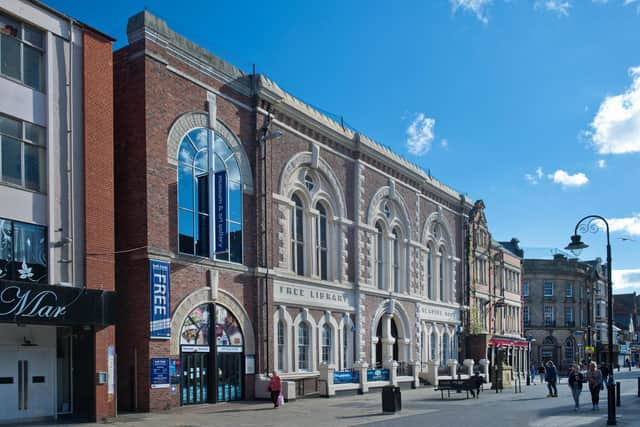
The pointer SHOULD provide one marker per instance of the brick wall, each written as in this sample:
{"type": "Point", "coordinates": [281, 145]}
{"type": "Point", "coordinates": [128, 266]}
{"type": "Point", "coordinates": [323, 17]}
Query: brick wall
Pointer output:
{"type": "Point", "coordinates": [98, 193]}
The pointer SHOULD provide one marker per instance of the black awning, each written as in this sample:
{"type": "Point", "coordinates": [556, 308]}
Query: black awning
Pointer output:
{"type": "Point", "coordinates": [24, 302]}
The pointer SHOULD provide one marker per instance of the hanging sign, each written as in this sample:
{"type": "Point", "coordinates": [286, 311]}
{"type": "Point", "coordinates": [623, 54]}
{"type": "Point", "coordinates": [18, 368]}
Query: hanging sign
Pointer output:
{"type": "Point", "coordinates": [221, 211]}
{"type": "Point", "coordinates": [160, 294]}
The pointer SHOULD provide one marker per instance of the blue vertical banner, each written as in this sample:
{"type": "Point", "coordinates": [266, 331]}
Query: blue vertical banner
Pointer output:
{"type": "Point", "coordinates": [220, 207]}
{"type": "Point", "coordinates": [160, 292]}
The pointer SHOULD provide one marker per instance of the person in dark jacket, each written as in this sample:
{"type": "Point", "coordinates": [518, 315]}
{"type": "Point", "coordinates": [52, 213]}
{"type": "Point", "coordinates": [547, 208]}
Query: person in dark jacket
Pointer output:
{"type": "Point", "coordinates": [575, 384]}
{"type": "Point", "coordinates": [605, 372]}
{"type": "Point", "coordinates": [551, 377]}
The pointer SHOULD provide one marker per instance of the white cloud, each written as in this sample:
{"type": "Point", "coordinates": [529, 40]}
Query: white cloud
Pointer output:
{"type": "Point", "coordinates": [616, 127]}
{"type": "Point", "coordinates": [477, 7]}
{"type": "Point", "coordinates": [566, 180]}
{"type": "Point", "coordinates": [602, 163]}
{"type": "Point", "coordinates": [625, 281]}
{"type": "Point", "coordinates": [561, 8]}
{"type": "Point", "coordinates": [444, 143]}
{"type": "Point", "coordinates": [534, 178]}
{"type": "Point", "coordinates": [628, 2]}
{"type": "Point", "coordinates": [420, 134]}
{"type": "Point", "coordinates": [630, 225]}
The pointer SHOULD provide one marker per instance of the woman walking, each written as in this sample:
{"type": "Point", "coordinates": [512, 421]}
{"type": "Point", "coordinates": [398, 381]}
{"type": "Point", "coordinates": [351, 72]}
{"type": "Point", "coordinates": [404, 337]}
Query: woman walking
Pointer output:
{"type": "Point", "coordinates": [275, 388]}
{"type": "Point", "coordinates": [532, 374]}
{"type": "Point", "coordinates": [594, 378]}
{"type": "Point", "coordinates": [575, 384]}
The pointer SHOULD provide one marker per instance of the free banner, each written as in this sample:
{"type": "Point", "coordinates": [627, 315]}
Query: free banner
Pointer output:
{"type": "Point", "coordinates": [160, 294]}
{"type": "Point", "coordinates": [221, 212]}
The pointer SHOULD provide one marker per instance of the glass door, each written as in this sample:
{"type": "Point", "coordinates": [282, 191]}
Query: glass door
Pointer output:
{"type": "Point", "coordinates": [194, 378]}
{"type": "Point", "coordinates": [229, 376]}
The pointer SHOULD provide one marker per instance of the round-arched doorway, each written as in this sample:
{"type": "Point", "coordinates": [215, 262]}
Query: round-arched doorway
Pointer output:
{"type": "Point", "coordinates": [200, 357]}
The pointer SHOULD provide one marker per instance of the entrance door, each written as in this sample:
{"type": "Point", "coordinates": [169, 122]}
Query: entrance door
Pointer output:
{"type": "Point", "coordinates": [194, 378]}
{"type": "Point", "coordinates": [27, 384]}
{"type": "Point", "coordinates": [229, 376]}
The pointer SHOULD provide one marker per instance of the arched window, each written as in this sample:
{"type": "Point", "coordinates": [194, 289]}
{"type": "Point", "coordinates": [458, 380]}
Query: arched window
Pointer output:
{"type": "Point", "coordinates": [429, 273]}
{"type": "Point", "coordinates": [441, 274]}
{"type": "Point", "coordinates": [434, 346]}
{"type": "Point", "coordinates": [569, 351]}
{"type": "Point", "coordinates": [321, 243]}
{"type": "Point", "coordinates": [326, 344]}
{"type": "Point", "coordinates": [281, 346]}
{"type": "Point", "coordinates": [209, 181]}
{"type": "Point", "coordinates": [380, 255]}
{"type": "Point", "coordinates": [396, 260]}
{"type": "Point", "coordinates": [297, 236]}
{"type": "Point", "coordinates": [304, 352]}
{"type": "Point", "coordinates": [347, 346]}
{"type": "Point", "coordinates": [445, 349]}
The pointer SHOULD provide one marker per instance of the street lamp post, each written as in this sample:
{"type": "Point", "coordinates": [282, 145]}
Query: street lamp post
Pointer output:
{"type": "Point", "coordinates": [590, 224]}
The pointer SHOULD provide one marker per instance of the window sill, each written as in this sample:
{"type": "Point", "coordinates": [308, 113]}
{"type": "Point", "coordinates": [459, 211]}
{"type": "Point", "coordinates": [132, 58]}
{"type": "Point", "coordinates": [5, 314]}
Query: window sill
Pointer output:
{"type": "Point", "coordinates": [299, 375]}
{"type": "Point", "coordinates": [20, 187]}
{"type": "Point", "coordinates": [190, 259]}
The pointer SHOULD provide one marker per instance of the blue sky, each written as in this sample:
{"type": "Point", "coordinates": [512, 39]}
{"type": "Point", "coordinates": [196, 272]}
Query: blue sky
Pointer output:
{"type": "Point", "coordinates": [531, 105]}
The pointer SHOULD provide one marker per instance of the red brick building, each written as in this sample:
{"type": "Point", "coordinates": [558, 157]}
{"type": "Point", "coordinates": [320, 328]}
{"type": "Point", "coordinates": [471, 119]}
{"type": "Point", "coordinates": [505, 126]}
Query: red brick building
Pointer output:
{"type": "Point", "coordinates": [57, 241]}
{"type": "Point", "coordinates": [255, 233]}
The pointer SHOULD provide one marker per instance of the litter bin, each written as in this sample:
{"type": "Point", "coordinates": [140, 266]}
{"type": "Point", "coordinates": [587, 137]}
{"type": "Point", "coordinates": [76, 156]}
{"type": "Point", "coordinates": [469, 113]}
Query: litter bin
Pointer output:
{"type": "Point", "coordinates": [391, 399]}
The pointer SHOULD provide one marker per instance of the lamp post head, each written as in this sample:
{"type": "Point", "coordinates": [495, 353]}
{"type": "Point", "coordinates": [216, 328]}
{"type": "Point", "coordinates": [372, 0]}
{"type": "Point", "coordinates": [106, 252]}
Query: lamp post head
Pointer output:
{"type": "Point", "coordinates": [577, 245]}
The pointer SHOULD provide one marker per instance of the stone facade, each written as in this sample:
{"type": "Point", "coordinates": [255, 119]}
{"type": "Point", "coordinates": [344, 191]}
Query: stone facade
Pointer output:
{"type": "Point", "coordinates": [565, 309]}
{"type": "Point", "coordinates": [336, 231]}
{"type": "Point", "coordinates": [494, 321]}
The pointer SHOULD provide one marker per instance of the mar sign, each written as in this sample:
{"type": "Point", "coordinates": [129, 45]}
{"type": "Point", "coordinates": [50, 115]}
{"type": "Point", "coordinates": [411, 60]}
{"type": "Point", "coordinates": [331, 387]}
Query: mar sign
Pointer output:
{"type": "Point", "coordinates": [160, 299]}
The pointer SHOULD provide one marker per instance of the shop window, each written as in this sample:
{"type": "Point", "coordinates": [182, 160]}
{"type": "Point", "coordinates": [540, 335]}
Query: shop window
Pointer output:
{"type": "Point", "coordinates": [23, 154]}
{"type": "Point", "coordinates": [22, 53]}
{"type": "Point", "coordinates": [326, 344]}
{"type": "Point", "coordinates": [297, 236]}
{"type": "Point", "coordinates": [23, 251]}
{"type": "Point", "coordinates": [209, 180]}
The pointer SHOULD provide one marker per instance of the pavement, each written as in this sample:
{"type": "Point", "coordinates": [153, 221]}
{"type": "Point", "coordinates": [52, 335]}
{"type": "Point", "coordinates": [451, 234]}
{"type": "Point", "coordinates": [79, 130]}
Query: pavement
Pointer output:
{"type": "Point", "coordinates": [420, 407]}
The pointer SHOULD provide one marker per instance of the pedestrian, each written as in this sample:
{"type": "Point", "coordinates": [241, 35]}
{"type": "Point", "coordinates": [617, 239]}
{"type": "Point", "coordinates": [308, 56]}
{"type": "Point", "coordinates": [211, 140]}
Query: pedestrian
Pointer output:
{"type": "Point", "coordinates": [605, 372]}
{"type": "Point", "coordinates": [274, 388]}
{"type": "Point", "coordinates": [541, 373]}
{"type": "Point", "coordinates": [595, 380]}
{"type": "Point", "coordinates": [575, 381]}
{"type": "Point", "coordinates": [551, 376]}
{"type": "Point", "coordinates": [628, 362]}
{"type": "Point", "coordinates": [532, 372]}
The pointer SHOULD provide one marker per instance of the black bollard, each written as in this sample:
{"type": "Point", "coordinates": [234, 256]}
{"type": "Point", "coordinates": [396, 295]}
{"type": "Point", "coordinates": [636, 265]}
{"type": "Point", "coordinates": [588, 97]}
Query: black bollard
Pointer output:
{"type": "Point", "coordinates": [617, 393]}
{"type": "Point", "coordinates": [638, 386]}
{"type": "Point", "coordinates": [611, 403]}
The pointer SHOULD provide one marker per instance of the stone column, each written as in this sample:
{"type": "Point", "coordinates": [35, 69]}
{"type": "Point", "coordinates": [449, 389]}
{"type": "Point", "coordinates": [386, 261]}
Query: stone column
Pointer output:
{"type": "Point", "coordinates": [387, 339]}
{"type": "Point", "coordinates": [432, 371]}
{"type": "Point", "coordinates": [362, 367]}
{"type": "Point", "coordinates": [392, 366]}
{"type": "Point", "coordinates": [416, 372]}
{"type": "Point", "coordinates": [484, 369]}
{"type": "Point", "coordinates": [326, 374]}
{"type": "Point", "coordinates": [453, 368]}
{"type": "Point", "coordinates": [469, 363]}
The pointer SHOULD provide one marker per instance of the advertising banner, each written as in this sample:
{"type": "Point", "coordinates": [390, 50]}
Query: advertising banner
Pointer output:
{"type": "Point", "coordinates": [220, 211]}
{"type": "Point", "coordinates": [160, 294]}
{"type": "Point", "coordinates": [160, 373]}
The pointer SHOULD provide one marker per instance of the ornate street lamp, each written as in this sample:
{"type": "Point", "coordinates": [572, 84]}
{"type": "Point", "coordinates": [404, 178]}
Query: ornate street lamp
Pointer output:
{"type": "Point", "coordinates": [589, 224]}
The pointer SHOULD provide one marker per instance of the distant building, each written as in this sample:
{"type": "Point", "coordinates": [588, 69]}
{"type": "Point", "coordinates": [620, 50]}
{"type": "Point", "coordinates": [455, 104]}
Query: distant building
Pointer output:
{"type": "Point", "coordinates": [565, 310]}
{"type": "Point", "coordinates": [626, 315]}
{"type": "Point", "coordinates": [494, 321]}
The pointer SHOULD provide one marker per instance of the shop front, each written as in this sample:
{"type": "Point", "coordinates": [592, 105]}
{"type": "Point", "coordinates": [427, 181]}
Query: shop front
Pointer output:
{"type": "Point", "coordinates": [46, 333]}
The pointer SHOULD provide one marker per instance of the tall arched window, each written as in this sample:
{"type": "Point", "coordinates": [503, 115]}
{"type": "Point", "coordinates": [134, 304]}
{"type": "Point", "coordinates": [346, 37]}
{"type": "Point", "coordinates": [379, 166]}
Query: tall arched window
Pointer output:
{"type": "Point", "coordinates": [209, 181]}
{"type": "Point", "coordinates": [304, 352]}
{"type": "Point", "coordinates": [445, 350]}
{"type": "Point", "coordinates": [281, 346]}
{"type": "Point", "coordinates": [326, 344]}
{"type": "Point", "coordinates": [434, 346]}
{"type": "Point", "coordinates": [429, 273]}
{"type": "Point", "coordinates": [321, 243]}
{"type": "Point", "coordinates": [297, 236]}
{"type": "Point", "coordinates": [347, 346]}
{"type": "Point", "coordinates": [380, 256]}
{"type": "Point", "coordinates": [441, 273]}
{"type": "Point", "coordinates": [396, 260]}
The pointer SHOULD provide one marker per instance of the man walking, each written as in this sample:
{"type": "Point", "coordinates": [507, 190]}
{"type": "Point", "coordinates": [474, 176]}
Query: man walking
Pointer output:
{"type": "Point", "coordinates": [551, 376]}
{"type": "Point", "coordinates": [532, 373]}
